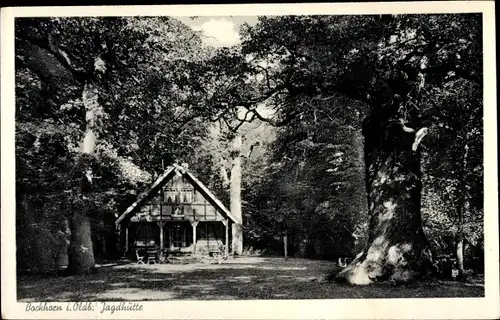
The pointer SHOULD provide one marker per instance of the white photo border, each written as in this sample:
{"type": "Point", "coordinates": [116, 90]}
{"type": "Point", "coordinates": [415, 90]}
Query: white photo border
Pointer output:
{"type": "Point", "coordinates": [429, 308]}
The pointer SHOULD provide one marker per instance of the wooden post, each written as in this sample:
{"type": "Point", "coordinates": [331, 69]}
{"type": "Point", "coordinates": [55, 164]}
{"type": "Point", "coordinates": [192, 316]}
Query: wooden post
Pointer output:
{"type": "Point", "coordinates": [285, 243]}
{"type": "Point", "coordinates": [194, 224]}
{"type": "Point", "coordinates": [161, 224]}
{"type": "Point", "coordinates": [170, 238]}
{"type": "Point", "coordinates": [226, 249]}
{"type": "Point", "coordinates": [161, 201]}
{"type": "Point", "coordinates": [118, 239]}
{"type": "Point", "coordinates": [126, 239]}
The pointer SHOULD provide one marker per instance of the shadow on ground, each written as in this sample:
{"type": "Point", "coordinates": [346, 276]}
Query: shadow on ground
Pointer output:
{"type": "Point", "coordinates": [243, 278]}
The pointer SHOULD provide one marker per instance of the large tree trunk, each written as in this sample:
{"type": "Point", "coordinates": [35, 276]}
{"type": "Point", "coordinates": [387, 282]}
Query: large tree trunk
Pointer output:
{"type": "Point", "coordinates": [459, 237]}
{"type": "Point", "coordinates": [397, 248]}
{"type": "Point", "coordinates": [460, 254]}
{"type": "Point", "coordinates": [285, 244]}
{"type": "Point", "coordinates": [235, 195]}
{"type": "Point", "coordinates": [80, 253]}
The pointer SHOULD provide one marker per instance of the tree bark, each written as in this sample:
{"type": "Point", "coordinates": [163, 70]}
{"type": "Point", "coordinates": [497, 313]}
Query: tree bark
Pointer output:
{"type": "Point", "coordinates": [459, 237]}
{"type": "Point", "coordinates": [397, 248]}
{"type": "Point", "coordinates": [235, 196]}
{"type": "Point", "coordinates": [223, 173]}
{"type": "Point", "coordinates": [285, 244]}
{"type": "Point", "coordinates": [460, 255]}
{"type": "Point", "coordinates": [80, 253]}
{"type": "Point", "coordinates": [461, 207]}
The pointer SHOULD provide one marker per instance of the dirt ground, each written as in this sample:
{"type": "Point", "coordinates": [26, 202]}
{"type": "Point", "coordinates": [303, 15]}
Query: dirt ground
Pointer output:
{"type": "Point", "coordinates": [240, 278]}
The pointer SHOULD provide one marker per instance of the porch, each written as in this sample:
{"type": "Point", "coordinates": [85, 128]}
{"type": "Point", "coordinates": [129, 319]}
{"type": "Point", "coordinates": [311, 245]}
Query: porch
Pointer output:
{"type": "Point", "coordinates": [178, 237]}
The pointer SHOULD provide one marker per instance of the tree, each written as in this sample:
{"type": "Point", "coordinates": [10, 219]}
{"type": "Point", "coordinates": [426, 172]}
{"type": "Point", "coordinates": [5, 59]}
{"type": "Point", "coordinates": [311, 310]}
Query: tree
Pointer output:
{"type": "Point", "coordinates": [394, 64]}
{"type": "Point", "coordinates": [456, 166]}
{"type": "Point", "coordinates": [225, 76]}
{"type": "Point", "coordinates": [78, 71]}
{"type": "Point", "coordinates": [309, 185]}
{"type": "Point", "coordinates": [228, 153]}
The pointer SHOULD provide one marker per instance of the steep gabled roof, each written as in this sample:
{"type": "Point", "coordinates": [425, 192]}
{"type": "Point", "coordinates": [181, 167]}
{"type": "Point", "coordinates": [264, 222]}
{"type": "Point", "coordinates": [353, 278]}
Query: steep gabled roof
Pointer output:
{"type": "Point", "coordinates": [161, 179]}
{"type": "Point", "coordinates": [212, 197]}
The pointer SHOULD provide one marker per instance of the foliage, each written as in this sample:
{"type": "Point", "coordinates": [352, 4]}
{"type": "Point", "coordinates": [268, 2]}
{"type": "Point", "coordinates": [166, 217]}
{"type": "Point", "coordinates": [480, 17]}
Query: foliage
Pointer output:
{"type": "Point", "coordinates": [454, 171]}
{"type": "Point", "coordinates": [143, 92]}
{"type": "Point", "coordinates": [410, 67]}
{"type": "Point", "coordinates": [311, 185]}
{"type": "Point", "coordinates": [369, 58]}
{"type": "Point", "coordinates": [300, 86]}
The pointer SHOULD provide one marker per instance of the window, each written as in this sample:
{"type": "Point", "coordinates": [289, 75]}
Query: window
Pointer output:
{"type": "Point", "coordinates": [178, 196]}
{"type": "Point", "coordinates": [186, 196]}
{"type": "Point", "coordinates": [170, 195]}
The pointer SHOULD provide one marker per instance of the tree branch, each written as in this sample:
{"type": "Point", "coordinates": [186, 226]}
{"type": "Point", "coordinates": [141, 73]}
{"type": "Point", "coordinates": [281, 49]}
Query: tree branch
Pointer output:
{"type": "Point", "coordinates": [267, 75]}
{"type": "Point", "coordinates": [274, 123]}
{"type": "Point", "coordinates": [50, 45]}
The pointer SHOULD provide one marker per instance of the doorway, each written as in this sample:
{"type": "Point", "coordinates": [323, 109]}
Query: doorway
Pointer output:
{"type": "Point", "coordinates": [179, 235]}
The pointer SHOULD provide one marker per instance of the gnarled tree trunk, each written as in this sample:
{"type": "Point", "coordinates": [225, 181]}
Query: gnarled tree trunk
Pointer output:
{"type": "Point", "coordinates": [397, 247]}
{"type": "Point", "coordinates": [80, 253]}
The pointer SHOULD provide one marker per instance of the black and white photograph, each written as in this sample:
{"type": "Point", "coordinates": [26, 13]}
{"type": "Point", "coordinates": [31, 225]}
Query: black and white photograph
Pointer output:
{"type": "Point", "coordinates": [235, 157]}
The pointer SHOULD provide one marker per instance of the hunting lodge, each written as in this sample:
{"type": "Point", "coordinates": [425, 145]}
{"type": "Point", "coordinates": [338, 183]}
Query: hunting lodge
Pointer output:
{"type": "Point", "coordinates": [177, 214]}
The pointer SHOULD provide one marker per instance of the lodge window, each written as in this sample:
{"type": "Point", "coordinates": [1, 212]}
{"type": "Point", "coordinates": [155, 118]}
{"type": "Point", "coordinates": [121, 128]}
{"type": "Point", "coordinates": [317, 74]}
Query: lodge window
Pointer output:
{"type": "Point", "coordinates": [170, 196]}
{"type": "Point", "coordinates": [187, 196]}
{"type": "Point", "coordinates": [175, 196]}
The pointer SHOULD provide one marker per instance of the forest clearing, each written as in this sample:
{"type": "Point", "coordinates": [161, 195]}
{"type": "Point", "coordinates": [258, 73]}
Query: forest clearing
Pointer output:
{"type": "Point", "coordinates": [344, 152]}
{"type": "Point", "coordinates": [244, 278]}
